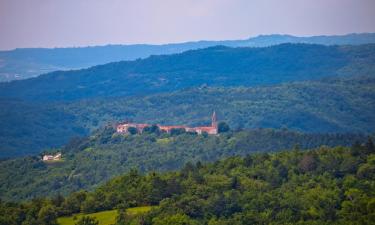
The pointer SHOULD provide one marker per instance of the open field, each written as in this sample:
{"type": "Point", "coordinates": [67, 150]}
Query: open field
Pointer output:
{"type": "Point", "coordinates": [105, 217]}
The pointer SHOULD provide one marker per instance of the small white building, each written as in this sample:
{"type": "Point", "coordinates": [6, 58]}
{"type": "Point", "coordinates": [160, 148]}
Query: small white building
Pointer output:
{"type": "Point", "coordinates": [52, 157]}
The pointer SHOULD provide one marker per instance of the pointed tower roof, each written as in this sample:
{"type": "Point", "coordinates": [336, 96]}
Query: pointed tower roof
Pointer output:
{"type": "Point", "coordinates": [213, 119]}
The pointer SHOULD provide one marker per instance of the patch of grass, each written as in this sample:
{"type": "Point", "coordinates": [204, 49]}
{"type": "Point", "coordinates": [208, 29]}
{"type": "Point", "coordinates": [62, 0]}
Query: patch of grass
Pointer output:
{"type": "Point", "coordinates": [139, 210]}
{"type": "Point", "coordinates": [105, 217]}
{"type": "Point", "coordinates": [164, 141]}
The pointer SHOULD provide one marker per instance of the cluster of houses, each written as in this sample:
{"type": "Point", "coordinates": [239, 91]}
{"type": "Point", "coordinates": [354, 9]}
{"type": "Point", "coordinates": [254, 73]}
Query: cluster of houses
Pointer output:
{"type": "Point", "coordinates": [56, 157]}
{"type": "Point", "coordinates": [213, 129]}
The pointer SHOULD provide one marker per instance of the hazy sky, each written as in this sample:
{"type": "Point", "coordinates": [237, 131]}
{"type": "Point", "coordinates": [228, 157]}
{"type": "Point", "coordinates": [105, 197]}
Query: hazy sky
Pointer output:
{"type": "Point", "coordinates": [61, 23]}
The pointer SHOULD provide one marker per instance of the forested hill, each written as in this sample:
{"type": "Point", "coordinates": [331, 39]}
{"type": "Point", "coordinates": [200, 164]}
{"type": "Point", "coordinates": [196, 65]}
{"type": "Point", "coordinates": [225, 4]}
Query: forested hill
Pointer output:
{"type": "Point", "coordinates": [333, 105]}
{"type": "Point", "coordinates": [88, 162]}
{"type": "Point", "coordinates": [215, 66]}
{"type": "Point", "coordinates": [322, 186]}
{"type": "Point", "coordinates": [30, 62]}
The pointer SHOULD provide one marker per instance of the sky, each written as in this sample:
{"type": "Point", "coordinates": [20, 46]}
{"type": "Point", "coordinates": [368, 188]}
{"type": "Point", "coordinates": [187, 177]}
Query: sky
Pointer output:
{"type": "Point", "coordinates": [73, 23]}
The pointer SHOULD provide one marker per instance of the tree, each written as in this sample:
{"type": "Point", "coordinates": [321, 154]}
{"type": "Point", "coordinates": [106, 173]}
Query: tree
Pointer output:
{"type": "Point", "coordinates": [58, 200]}
{"type": "Point", "coordinates": [47, 215]}
{"type": "Point", "coordinates": [356, 149]}
{"type": "Point", "coordinates": [86, 220]}
{"type": "Point", "coordinates": [235, 183]}
{"type": "Point", "coordinates": [89, 205]}
{"type": "Point", "coordinates": [132, 130]}
{"type": "Point", "coordinates": [152, 129]}
{"type": "Point", "coordinates": [223, 127]}
{"type": "Point", "coordinates": [177, 131]}
{"type": "Point", "coordinates": [308, 163]}
{"type": "Point", "coordinates": [122, 218]}
{"type": "Point", "coordinates": [248, 160]}
{"type": "Point", "coordinates": [370, 148]}
{"type": "Point", "coordinates": [72, 204]}
{"type": "Point", "coordinates": [177, 219]}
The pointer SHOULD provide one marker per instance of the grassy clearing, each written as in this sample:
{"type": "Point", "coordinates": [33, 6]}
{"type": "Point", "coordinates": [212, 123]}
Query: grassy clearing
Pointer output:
{"type": "Point", "coordinates": [164, 141]}
{"type": "Point", "coordinates": [104, 217]}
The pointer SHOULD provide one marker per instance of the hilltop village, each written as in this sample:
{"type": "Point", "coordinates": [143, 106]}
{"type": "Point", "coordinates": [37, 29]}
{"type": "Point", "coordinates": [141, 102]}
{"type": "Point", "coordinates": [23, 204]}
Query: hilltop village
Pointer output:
{"type": "Point", "coordinates": [139, 127]}
{"type": "Point", "coordinates": [126, 127]}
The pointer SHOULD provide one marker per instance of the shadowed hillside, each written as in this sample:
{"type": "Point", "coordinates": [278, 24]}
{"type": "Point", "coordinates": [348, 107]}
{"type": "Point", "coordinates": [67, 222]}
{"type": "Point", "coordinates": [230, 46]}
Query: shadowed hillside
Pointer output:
{"type": "Point", "coordinates": [216, 66]}
{"type": "Point", "coordinates": [320, 186]}
{"type": "Point", "coordinates": [88, 162]}
{"type": "Point", "coordinates": [332, 105]}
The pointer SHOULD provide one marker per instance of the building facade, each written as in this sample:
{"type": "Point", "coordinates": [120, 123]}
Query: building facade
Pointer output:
{"type": "Point", "coordinates": [52, 157]}
{"type": "Point", "coordinates": [213, 129]}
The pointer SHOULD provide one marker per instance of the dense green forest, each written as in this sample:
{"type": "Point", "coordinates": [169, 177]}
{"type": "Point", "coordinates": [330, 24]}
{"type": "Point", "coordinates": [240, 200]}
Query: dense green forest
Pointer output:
{"type": "Point", "coordinates": [88, 162]}
{"type": "Point", "coordinates": [215, 66]}
{"type": "Point", "coordinates": [321, 186]}
{"type": "Point", "coordinates": [330, 105]}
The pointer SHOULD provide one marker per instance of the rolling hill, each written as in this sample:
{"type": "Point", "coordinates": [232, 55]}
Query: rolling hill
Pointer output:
{"type": "Point", "coordinates": [31, 62]}
{"type": "Point", "coordinates": [88, 162]}
{"type": "Point", "coordinates": [215, 66]}
{"type": "Point", "coordinates": [319, 186]}
{"type": "Point", "coordinates": [334, 105]}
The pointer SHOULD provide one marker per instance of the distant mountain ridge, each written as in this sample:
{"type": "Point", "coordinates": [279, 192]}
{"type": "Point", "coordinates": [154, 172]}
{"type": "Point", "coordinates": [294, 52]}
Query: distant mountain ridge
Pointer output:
{"type": "Point", "coordinates": [29, 62]}
{"type": "Point", "coordinates": [214, 66]}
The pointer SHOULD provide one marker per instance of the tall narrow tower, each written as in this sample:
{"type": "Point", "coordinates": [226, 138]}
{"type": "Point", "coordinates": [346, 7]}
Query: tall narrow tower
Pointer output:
{"type": "Point", "coordinates": [213, 120]}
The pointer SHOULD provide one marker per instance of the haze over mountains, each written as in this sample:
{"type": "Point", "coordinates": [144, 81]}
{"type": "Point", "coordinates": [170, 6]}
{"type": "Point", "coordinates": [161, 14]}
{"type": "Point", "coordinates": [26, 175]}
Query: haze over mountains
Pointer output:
{"type": "Point", "coordinates": [214, 66]}
{"type": "Point", "coordinates": [31, 62]}
{"type": "Point", "coordinates": [303, 87]}
{"type": "Point", "coordinates": [274, 98]}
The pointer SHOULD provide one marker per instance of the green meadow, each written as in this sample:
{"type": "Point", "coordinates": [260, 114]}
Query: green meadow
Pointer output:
{"type": "Point", "coordinates": [105, 217]}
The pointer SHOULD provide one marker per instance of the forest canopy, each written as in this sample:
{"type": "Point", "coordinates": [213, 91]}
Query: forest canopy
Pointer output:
{"type": "Point", "coordinates": [320, 186]}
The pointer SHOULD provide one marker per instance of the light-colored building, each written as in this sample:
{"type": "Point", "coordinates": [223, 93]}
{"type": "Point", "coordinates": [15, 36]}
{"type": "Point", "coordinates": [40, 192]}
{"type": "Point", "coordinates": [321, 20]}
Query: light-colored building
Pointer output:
{"type": "Point", "coordinates": [213, 129]}
{"type": "Point", "coordinates": [52, 157]}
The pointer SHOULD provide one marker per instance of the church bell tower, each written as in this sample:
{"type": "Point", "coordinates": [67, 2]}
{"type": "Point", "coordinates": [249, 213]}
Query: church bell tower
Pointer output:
{"type": "Point", "coordinates": [214, 120]}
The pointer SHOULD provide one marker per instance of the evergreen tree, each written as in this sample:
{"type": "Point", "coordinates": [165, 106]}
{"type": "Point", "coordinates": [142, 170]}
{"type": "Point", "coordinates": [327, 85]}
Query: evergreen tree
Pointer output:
{"type": "Point", "coordinates": [86, 220]}
{"type": "Point", "coordinates": [223, 127]}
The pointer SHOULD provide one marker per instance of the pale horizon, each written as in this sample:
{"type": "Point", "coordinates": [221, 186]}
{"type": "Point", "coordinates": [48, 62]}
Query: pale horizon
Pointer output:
{"type": "Point", "coordinates": [70, 23]}
{"type": "Point", "coordinates": [167, 43]}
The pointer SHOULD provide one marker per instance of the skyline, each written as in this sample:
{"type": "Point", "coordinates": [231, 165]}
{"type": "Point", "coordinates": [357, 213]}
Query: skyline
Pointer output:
{"type": "Point", "coordinates": [49, 23]}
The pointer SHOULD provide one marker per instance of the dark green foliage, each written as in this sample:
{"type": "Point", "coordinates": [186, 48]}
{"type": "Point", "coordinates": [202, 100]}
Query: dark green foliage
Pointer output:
{"type": "Point", "coordinates": [215, 66]}
{"type": "Point", "coordinates": [91, 161]}
{"type": "Point", "coordinates": [28, 128]}
{"type": "Point", "coordinates": [132, 130]}
{"type": "Point", "coordinates": [35, 212]}
{"type": "Point", "coordinates": [122, 218]}
{"type": "Point", "coordinates": [290, 187]}
{"type": "Point", "coordinates": [152, 129]}
{"type": "Point", "coordinates": [177, 131]}
{"type": "Point", "coordinates": [338, 105]}
{"type": "Point", "coordinates": [86, 220]}
{"type": "Point", "coordinates": [47, 215]}
{"type": "Point", "coordinates": [223, 127]}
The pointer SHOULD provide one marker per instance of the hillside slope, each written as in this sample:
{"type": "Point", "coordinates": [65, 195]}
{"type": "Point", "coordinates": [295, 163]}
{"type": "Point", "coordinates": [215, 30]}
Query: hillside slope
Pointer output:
{"type": "Point", "coordinates": [320, 186]}
{"type": "Point", "coordinates": [89, 162]}
{"type": "Point", "coordinates": [333, 105]}
{"type": "Point", "coordinates": [216, 66]}
{"type": "Point", "coordinates": [30, 62]}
